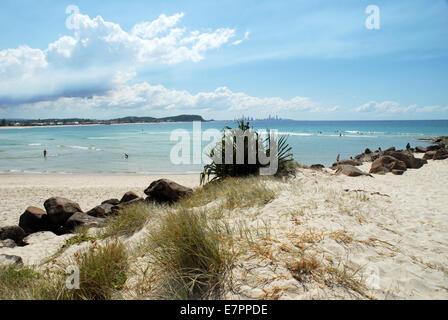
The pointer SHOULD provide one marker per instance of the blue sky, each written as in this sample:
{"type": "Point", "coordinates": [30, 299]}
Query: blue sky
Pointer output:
{"type": "Point", "coordinates": [307, 60]}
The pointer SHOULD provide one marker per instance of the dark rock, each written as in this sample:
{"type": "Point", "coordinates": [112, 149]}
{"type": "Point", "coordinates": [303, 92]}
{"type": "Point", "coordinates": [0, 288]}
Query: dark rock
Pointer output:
{"type": "Point", "coordinates": [59, 210]}
{"type": "Point", "coordinates": [14, 233]}
{"type": "Point", "coordinates": [8, 243]}
{"type": "Point", "coordinates": [317, 166]}
{"type": "Point", "coordinates": [441, 154]}
{"type": "Point", "coordinates": [390, 149]}
{"type": "Point", "coordinates": [167, 191]}
{"type": "Point", "coordinates": [398, 172]}
{"type": "Point", "coordinates": [83, 220]}
{"type": "Point", "coordinates": [350, 162]}
{"type": "Point", "coordinates": [8, 260]}
{"type": "Point", "coordinates": [101, 211]}
{"type": "Point", "coordinates": [116, 209]}
{"type": "Point", "coordinates": [433, 148]}
{"type": "Point", "coordinates": [113, 202]}
{"type": "Point", "coordinates": [408, 158]}
{"type": "Point", "coordinates": [420, 149]}
{"type": "Point", "coordinates": [129, 196]}
{"type": "Point", "coordinates": [386, 164]}
{"type": "Point", "coordinates": [350, 171]}
{"type": "Point", "coordinates": [429, 155]}
{"type": "Point", "coordinates": [367, 151]}
{"type": "Point", "coordinates": [34, 220]}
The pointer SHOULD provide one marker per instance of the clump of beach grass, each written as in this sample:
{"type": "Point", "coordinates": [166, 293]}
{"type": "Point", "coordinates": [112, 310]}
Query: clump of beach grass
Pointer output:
{"type": "Point", "coordinates": [192, 253]}
{"type": "Point", "coordinates": [232, 193]}
{"type": "Point", "coordinates": [102, 271]}
{"type": "Point", "coordinates": [130, 220]}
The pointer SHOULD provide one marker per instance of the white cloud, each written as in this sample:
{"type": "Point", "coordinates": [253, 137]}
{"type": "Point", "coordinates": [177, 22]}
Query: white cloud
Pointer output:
{"type": "Point", "coordinates": [395, 107]}
{"type": "Point", "coordinates": [246, 37]}
{"type": "Point", "coordinates": [98, 55]}
{"type": "Point", "coordinates": [146, 97]}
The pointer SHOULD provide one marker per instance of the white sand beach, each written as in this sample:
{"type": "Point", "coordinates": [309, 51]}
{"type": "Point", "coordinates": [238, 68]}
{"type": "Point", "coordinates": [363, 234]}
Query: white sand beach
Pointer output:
{"type": "Point", "coordinates": [391, 232]}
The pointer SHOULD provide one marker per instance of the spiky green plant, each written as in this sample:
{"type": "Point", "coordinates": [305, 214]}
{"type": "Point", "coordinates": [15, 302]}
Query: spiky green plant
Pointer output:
{"type": "Point", "coordinates": [253, 144]}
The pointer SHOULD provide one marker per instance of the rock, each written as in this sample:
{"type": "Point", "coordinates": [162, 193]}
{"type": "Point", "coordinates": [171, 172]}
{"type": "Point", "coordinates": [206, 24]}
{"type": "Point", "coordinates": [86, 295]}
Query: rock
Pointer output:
{"type": "Point", "coordinates": [129, 196]}
{"type": "Point", "coordinates": [34, 220]}
{"type": "Point", "coordinates": [8, 243]}
{"type": "Point", "coordinates": [7, 260]}
{"type": "Point", "coordinates": [434, 148]}
{"type": "Point", "coordinates": [317, 166]}
{"type": "Point", "coordinates": [390, 149]}
{"type": "Point", "coordinates": [116, 209]}
{"type": "Point", "coordinates": [398, 172]}
{"type": "Point", "coordinates": [386, 164]}
{"type": "Point", "coordinates": [80, 219]}
{"type": "Point", "coordinates": [368, 156]}
{"type": "Point", "coordinates": [167, 191]}
{"type": "Point", "coordinates": [440, 154]}
{"type": "Point", "coordinates": [420, 149]}
{"type": "Point", "coordinates": [350, 162]}
{"type": "Point", "coordinates": [113, 202]}
{"type": "Point", "coordinates": [59, 210]}
{"type": "Point", "coordinates": [367, 151]}
{"type": "Point", "coordinates": [429, 155]}
{"type": "Point", "coordinates": [14, 233]}
{"type": "Point", "coordinates": [350, 171]}
{"type": "Point", "coordinates": [408, 158]}
{"type": "Point", "coordinates": [102, 210]}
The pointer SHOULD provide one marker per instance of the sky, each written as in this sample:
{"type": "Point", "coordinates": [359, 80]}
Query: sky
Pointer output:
{"type": "Point", "coordinates": [303, 60]}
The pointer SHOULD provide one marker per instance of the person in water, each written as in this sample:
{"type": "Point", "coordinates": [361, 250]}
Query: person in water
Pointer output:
{"type": "Point", "coordinates": [45, 153]}
{"type": "Point", "coordinates": [126, 156]}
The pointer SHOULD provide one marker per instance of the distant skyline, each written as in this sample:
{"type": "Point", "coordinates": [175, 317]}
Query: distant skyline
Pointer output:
{"type": "Point", "coordinates": [301, 60]}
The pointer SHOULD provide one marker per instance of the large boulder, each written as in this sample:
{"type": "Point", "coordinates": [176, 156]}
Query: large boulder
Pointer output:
{"type": "Point", "coordinates": [350, 171]}
{"type": "Point", "coordinates": [408, 158]}
{"type": "Point", "coordinates": [440, 154]}
{"type": "Point", "coordinates": [121, 206]}
{"type": "Point", "coordinates": [434, 147]}
{"type": "Point", "coordinates": [386, 164]}
{"type": "Point", "coordinates": [7, 260]}
{"type": "Point", "coordinates": [429, 155]}
{"type": "Point", "coordinates": [59, 210]}
{"type": "Point", "coordinates": [129, 196]}
{"type": "Point", "coordinates": [369, 156]}
{"type": "Point", "coordinates": [80, 219]}
{"type": "Point", "coordinates": [14, 233]}
{"type": "Point", "coordinates": [166, 191]}
{"type": "Point", "coordinates": [101, 211]}
{"type": "Point", "coordinates": [113, 202]}
{"type": "Point", "coordinates": [34, 220]}
{"type": "Point", "coordinates": [420, 149]}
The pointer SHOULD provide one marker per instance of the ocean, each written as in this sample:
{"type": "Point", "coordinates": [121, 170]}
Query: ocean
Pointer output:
{"type": "Point", "coordinates": [100, 149]}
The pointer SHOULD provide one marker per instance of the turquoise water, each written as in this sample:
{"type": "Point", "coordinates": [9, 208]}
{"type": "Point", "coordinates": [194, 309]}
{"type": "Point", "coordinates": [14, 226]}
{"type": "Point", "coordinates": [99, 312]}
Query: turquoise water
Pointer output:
{"type": "Point", "coordinates": [100, 149]}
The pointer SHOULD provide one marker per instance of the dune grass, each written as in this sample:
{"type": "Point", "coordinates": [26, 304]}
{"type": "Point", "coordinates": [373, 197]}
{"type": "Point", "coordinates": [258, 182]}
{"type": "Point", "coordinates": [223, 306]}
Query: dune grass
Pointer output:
{"type": "Point", "coordinates": [192, 253]}
{"type": "Point", "coordinates": [233, 193]}
{"type": "Point", "coordinates": [130, 220]}
{"type": "Point", "coordinates": [102, 272]}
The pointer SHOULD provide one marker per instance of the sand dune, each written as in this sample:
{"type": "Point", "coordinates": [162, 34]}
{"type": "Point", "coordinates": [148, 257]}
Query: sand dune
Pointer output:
{"type": "Point", "coordinates": [388, 232]}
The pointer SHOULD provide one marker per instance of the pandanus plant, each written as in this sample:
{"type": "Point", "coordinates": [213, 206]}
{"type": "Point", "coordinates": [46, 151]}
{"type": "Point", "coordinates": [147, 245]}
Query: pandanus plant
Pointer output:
{"type": "Point", "coordinates": [248, 147]}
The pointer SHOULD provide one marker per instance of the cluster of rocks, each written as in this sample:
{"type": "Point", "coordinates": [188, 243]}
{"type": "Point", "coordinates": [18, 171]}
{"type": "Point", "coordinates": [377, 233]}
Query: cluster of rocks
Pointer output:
{"type": "Point", "coordinates": [391, 160]}
{"type": "Point", "coordinates": [62, 216]}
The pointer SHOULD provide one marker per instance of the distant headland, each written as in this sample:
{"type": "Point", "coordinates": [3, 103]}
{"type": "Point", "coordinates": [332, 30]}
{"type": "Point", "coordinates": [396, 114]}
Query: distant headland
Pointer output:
{"type": "Point", "coordinates": [79, 121]}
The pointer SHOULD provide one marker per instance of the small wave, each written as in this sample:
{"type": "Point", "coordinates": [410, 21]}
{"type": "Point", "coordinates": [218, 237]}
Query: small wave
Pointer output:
{"type": "Point", "coordinates": [101, 138]}
{"type": "Point", "coordinates": [79, 147]}
{"type": "Point", "coordinates": [35, 144]}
